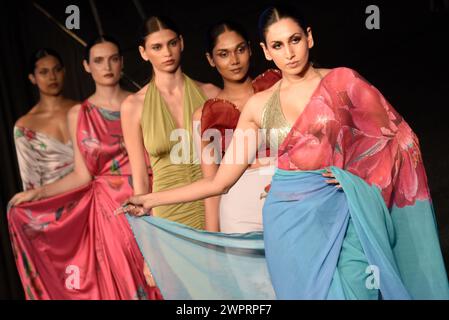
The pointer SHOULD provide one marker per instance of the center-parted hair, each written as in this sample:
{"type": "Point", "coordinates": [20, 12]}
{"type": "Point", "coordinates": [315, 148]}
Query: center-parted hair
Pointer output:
{"type": "Point", "coordinates": [42, 53]}
{"type": "Point", "coordinates": [273, 14]}
{"type": "Point", "coordinates": [154, 24]}
{"type": "Point", "coordinates": [215, 30]}
{"type": "Point", "coordinates": [100, 39]}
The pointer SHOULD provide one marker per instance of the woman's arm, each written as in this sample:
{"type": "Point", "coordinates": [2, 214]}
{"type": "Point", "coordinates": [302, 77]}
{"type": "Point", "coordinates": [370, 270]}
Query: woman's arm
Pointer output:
{"type": "Point", "coordinates": [240, 153]}
{"type": "Point", "coordinates": [131, 112]}
{"type": "Point", "coordinates": [212, 204]}
{"type": "Point", "coordinates": [77, 178]}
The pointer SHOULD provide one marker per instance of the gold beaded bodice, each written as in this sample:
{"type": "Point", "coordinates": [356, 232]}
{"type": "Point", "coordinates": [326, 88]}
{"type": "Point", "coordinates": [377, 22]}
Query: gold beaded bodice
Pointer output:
{"type": "Point", "coordinates": [274, 122]}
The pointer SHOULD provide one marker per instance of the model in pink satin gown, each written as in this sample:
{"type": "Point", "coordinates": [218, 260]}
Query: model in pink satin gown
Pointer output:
{"type": "Point", "coordinates": [72, 246]}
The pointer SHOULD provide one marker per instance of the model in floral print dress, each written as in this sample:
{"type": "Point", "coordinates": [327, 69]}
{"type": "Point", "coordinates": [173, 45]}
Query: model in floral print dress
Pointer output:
{"type": "Point", "coordinates": [71, 245]}
{"type": "Point", "coordinates": [41, 136]}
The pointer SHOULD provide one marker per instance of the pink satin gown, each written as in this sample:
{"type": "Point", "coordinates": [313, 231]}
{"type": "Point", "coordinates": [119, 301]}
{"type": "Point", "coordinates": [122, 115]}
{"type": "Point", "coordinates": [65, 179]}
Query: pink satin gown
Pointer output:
{"type": "Point", "coordinates": [72, 246]}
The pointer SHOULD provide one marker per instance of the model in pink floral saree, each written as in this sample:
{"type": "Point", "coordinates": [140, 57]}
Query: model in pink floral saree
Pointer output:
{"type": "Point", "coordinates": [374, 238]}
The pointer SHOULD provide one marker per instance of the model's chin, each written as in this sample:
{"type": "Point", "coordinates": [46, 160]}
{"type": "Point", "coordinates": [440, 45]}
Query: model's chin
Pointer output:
{"type": "Point", "coordinates": [52, 92]}
{"type": "Point", "coordinates": [108, 82]}
{"type": "Point", "coordinates": [293, 70]}
{"type": "Point", "coordinates": [170, 68]}
{"type": "Point", "coordinates": [235, 77]}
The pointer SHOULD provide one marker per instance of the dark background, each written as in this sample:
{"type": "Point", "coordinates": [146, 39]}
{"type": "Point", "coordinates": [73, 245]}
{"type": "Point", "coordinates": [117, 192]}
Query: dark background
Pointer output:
{"type": "Point", "coordinates": [406, 59]}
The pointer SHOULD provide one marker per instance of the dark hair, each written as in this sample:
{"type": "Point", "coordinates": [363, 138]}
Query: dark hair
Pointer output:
{"type": "Point", "coordinates": [215, 30]}
{"type": "Point", "coordinates": [154, 24]}
{"type": "Point", "coordinates": [273, 14]}
{"type": "Point", "coordinates": [42, 53]}
{"type": "Point", "coordinates": [100, 39]}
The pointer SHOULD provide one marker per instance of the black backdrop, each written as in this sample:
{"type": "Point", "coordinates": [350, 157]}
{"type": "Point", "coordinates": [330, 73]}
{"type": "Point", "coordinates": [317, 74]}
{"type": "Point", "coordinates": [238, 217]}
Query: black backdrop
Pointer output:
{"type": "Point", "coordinates": [406, 59]}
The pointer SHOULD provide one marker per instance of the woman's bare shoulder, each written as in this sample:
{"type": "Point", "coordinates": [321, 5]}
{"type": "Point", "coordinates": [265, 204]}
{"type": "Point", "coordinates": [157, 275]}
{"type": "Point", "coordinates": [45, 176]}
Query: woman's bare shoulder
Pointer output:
{"type": "Point", "coordinates": [210, 90]}
{"type": "Point", "coordinates": [262, 97]}
{"type": "Point", "coordinates": [73, 112]}
{"type": "Point", "coordinates": [29, 118]}
{"type": "Point", "coordinates": [132, 105]}
{"type": "Point", "coordinates": [126, 94]}
{"type": "Point", "coordinates": [24, 121]}
{"type": "Point", "coordinates": [255, 105]}
{"type": "Point", "coordinates": [134, 101]}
